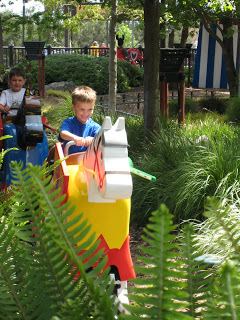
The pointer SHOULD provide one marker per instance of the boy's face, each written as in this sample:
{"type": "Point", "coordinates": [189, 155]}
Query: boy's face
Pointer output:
{"type": "Point", "coordinates": [83, 110]}
{"type": "Point", "coordinates": [16, 83]}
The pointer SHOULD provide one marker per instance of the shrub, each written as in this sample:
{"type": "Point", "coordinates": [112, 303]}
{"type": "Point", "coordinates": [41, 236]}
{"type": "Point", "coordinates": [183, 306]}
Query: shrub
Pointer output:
{"type": "Point", "coordinates": [31, 71]}
{"type": "Point", "coordinates": [190, 162]}
{"type": "Point", "coordinates": [233, 110]}
{"type": "Point", "coordinates": [134, 73]}
{"type": "Point", "coordinates": [88, 70]}
{"type": "Point", "coordinates": [214, 104]}
{"type": "Point", "coordinates": [190, 107]}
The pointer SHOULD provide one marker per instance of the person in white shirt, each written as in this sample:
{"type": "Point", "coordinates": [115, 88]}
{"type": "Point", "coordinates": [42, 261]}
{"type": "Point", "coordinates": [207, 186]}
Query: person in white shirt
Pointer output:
{"type": "Point", "coordinates": [13, 96]}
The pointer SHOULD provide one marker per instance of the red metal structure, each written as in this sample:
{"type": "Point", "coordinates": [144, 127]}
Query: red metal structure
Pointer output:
{"type": "Point", "coordinates": [171, 62]}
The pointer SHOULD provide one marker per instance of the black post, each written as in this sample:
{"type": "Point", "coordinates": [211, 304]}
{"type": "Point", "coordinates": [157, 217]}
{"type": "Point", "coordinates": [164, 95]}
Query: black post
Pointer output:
{"type": "Point", "coordinates": [11, 46]}
{"type": "Point", "coordinates": [138, 97]}
{"type": "Point", "coordinates": [85, 49]}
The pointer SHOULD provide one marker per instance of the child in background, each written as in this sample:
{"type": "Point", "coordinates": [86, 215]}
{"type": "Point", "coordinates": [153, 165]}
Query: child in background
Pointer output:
{"type": "Point", "coordinates": [103, 49]}
{"type": "Point", "coordinates": [95, 52]}
{"type": "Point", "coordinates": [13, 96]}
{"type": "Point", "coordinates": [81, 128]}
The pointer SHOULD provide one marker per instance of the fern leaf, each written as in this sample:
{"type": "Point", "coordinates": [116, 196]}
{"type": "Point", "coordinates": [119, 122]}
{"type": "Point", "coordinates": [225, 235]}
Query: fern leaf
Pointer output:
{"type": "Point", "coordinates": [16, 279]}
{"type": "Point", "coordinates": [198, 274]}
{"type": "Point", "coordinates": [53, 235]}
{"type": "Point", "coordinates": [224, 298]}
{"type": "Point", "coordinates": [162, 296]}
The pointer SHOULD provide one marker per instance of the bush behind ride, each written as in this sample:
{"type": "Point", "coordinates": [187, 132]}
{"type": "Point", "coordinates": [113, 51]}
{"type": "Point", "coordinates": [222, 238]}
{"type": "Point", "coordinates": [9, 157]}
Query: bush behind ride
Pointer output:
{"type": "Point", "coordinates": [87, 70]}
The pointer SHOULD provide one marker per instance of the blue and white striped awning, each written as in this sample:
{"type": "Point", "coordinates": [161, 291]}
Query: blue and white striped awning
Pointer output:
{"type": "Point", "coordinates": [209, 71]}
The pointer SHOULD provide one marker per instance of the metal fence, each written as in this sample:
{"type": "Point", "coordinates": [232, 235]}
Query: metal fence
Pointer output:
{"type": "Point", "coordinates": [12, 55]}
{"type": "Point", "coordinates": [132, 103]}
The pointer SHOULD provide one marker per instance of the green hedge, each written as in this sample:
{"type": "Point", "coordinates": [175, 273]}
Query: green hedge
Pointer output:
{"type": "Point", "coordinates": [88, 70]}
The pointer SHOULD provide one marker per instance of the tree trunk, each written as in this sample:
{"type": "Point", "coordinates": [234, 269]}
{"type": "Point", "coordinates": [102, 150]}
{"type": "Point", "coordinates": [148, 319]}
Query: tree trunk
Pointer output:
{"type": "Point", "coordinates": [163, 30]}
{"type": "Point", "coordinates": [1, 41]}
{"type": "Point", "coordinates": [66, 31]}
{"type": "Point", "coordinates": [238, 58]}
{"type": "Point", "coordinates": [112, 60]}
{"type": "Point", "coordinates": [151, 65]}
{"type": "Point", "coordinates": [184, 37]}
{"type": "Point", "coordinates": [227, 48]}
{"type": "Point", "coordinates": [171, 39]}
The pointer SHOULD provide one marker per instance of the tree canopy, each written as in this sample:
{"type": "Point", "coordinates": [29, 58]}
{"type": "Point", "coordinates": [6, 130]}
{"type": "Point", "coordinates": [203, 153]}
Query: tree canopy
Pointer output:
{"type": "Point", "coordinates": [182, 14]}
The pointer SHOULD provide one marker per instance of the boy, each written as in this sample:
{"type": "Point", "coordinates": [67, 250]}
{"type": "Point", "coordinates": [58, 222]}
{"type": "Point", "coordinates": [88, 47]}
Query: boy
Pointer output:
{"type": "Point", "coordinates": [13, 96]}
{"type": "Point", "coordinates": [80, 128]}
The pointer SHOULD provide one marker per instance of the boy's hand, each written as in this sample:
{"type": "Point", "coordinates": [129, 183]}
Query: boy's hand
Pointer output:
{"type": "Point", "coordinates": [6, 109]}
{"type": "Point", "coordinates": [88, 141]}
{"type": "Point", "coordinates": [80, 141]}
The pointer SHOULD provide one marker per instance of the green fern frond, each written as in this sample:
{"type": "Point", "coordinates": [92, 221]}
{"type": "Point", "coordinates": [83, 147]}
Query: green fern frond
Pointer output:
{"type": "Point", "coordinates": [224, 299]}
{"type": "Point", "coordinates": [48, 170]}
{"type": "Point", "coordinates": [3, 152]}
{"type": "Point", "coordinates": [16, 277]}
{"type": "Point", "coordinates": [198, 274]}
{"type": "Point", "coordinates": [160, 293]}
{"type": "Point", "coordinates": [222, 228]}
{"type": "Point", "coordinates": [39, 219]}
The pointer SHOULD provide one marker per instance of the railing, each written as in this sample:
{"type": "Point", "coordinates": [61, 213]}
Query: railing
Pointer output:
{"type": "Point", "coordinates": [132, 103]}
{"type": "Point", "coordinates": [190, 60]}
{"type": "Point", "coordinates": [12, 55]}
{"type": "Point", "coordinates": [100, 52]}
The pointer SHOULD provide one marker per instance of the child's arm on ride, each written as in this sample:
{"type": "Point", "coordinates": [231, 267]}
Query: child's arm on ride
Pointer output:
{"type": "Point", "coordinates": [88, 141]}
{"type": "Point", "coordinates": [4, 109]}
{"type": "Point", "coordinates": [3, 103]}
{"type": "Point", "coordinates": [66, 135]}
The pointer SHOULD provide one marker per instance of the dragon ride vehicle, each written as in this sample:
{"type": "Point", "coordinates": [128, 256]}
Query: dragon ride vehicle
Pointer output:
{"type": "Point", "coordinates": [99, 182]}
{"type": "Point", "coordinates": [27, 138]}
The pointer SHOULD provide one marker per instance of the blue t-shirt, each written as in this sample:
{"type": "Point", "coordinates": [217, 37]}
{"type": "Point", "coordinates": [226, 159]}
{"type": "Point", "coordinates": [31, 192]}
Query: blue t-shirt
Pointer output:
{"type": "Point", "coordinates": [73, 125]}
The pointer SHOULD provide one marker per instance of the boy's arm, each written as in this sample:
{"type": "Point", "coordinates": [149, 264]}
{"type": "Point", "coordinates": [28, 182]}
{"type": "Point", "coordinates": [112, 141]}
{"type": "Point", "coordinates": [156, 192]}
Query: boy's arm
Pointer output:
{"type": "Point", "coordinates": [3, 102]}
{"type": "Point", "coordinates": [88, 141]}
{"type": "Point", "coordinates": [66, 135]}
{"type": "Point", "coordinates": [4, 109]}
{"type": "Point", "coordinates": [1, 108]}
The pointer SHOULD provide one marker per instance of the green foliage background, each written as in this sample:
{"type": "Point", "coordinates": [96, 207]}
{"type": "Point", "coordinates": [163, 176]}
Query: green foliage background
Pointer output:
{"type": "Point", "coordinates": [85, 70]}
{"type": "Point", "coordinates": [37, 251]}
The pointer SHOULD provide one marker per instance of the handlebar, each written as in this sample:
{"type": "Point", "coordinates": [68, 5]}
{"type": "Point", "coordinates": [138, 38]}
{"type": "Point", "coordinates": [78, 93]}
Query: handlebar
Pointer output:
{"type": "Point", "coordinates": [139, 172]}
{"type": "Point", "coordinates": [49, 127]}
{"type": "Point", "coordinates": [67, 146]}
{"type": "Point", "coordinates": [45, 123]}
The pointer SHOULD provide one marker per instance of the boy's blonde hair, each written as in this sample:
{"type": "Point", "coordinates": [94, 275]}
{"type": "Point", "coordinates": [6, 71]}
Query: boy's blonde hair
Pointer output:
{"type": "Point", "coordinates": [83, 94]}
